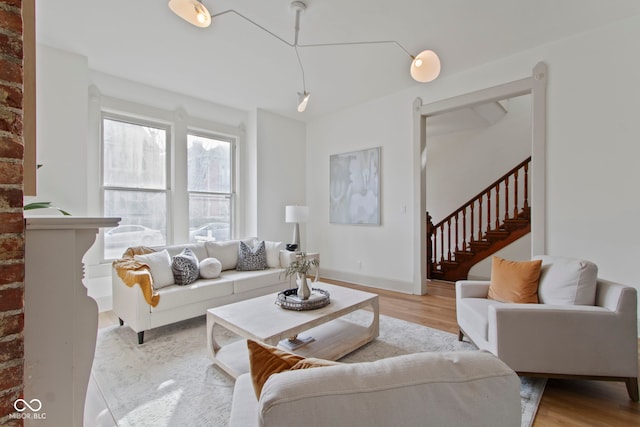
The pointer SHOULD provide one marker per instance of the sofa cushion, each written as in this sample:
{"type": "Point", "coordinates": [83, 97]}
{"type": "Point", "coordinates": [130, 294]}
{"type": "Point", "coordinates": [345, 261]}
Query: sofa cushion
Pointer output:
{"type": "Point", "coordinates": [266, 360]}
{"type": "Point", "coordinates": [160, 267]}
{"type": "Point", "coordinates": [210, 268]}
{"type": "Point", "coordinates": [198, 249]}
{"type": "Point", "coordinates": [514, 281]}
{"type": "Point", "coordinates": [201, 290]}
{"type": "Point", "coordinates": [567, 281]}
{"type": "Point", "coordinates": [244, 281]}
{"type": "Point", "coordinates": [273, 253]}
{"type": "Point", "coordinates": [252, 258]}
{"type": "Point", "coordinates": [185, 267]}
{"type": "Point", "coordinates": [226, 252]}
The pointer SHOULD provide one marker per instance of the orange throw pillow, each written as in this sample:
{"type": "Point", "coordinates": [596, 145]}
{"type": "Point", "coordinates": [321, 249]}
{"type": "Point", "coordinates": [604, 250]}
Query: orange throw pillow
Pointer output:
{"type": "Point", "coordinates": [266, 360]}
{"type": "Point", "coordinates": [514, 281]}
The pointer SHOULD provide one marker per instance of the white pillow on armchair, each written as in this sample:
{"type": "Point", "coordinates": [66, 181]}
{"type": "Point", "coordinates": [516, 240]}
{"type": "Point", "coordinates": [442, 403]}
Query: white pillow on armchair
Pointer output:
{"type": "Point", "coordinates": [567, 281]}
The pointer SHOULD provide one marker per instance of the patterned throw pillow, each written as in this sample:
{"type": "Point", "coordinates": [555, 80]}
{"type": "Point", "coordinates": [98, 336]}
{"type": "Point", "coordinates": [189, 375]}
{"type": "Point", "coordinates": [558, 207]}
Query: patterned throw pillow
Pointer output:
{"type": "Point", "coordinates": [185, 267]}
{"type": "Point", "coordinates": [250, 259]}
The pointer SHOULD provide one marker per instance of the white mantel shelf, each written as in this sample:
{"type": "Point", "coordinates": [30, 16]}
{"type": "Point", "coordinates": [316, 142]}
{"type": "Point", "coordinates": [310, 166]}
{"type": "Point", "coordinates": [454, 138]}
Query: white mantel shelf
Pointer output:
{"type": "Point", "coordinates": [60, 319]}
{"type": "Point", "coordinates": [59, 222]}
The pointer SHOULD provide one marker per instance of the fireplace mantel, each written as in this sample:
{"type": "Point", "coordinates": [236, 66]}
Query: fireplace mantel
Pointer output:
{"type": "Point", "coordinates": [60, 319]}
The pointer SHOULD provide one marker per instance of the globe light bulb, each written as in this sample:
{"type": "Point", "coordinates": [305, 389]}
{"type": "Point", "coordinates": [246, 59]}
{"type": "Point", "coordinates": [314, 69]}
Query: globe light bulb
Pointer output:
{"type": "Point", "coordinates": [425, 67]}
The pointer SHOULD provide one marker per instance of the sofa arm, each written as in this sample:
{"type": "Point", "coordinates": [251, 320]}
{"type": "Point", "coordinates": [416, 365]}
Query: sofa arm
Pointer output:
{"type": "Point", "coordinates": [578, 340]}
{"type": "Point", "coordinates": [244, 408]}
{"type": "Point", "coordinates": [472, 288]}
{"type": "Point", "coordinates": [129, 303]}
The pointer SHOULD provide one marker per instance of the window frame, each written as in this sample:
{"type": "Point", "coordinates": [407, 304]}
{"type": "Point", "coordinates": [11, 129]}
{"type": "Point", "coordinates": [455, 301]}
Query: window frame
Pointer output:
{"type": "Point", "coordinates": [232, 154]}
{"type": "Point", "coordinates": [169, 129]}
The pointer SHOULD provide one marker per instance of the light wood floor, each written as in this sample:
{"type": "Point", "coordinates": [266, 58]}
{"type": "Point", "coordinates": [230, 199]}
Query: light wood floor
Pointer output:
{"type": "Point", "coordinates": [564, 402]}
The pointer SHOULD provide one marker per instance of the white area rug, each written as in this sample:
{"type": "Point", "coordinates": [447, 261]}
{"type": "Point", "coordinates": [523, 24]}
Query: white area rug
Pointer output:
{"type": "Point", "coordinates": [170, 381]}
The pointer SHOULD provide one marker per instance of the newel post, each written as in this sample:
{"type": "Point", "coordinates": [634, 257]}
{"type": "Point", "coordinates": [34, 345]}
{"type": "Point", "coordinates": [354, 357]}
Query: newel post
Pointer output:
{"type": "Point", "coordinates": [429, 246]}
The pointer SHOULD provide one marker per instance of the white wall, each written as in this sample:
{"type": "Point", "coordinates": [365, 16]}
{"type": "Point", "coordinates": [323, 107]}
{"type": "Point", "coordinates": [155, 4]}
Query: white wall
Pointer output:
{"type": "Point", "coordinates": [61, 111]}
{"type": "Point", "coordinates": [461, 164]}
{"type": "Point", "coordinates": [281, 177]}
{"type": "Point", "coordinates": [374, 255]}
{"type": "Point", "coordinates": [593, 102]}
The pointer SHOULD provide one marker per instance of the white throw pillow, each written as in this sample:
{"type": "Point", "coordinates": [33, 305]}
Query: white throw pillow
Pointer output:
{"type": "Point", "coordinates": [210, 268]}
{"type": "Point", "coordinates": [226, 252]}
{"type": "Point", "coordinates": [567, 281]}
{"type": "Point", "coordinates": [273, 253]}
{"type": "Point", "coordinates": [160, 266]}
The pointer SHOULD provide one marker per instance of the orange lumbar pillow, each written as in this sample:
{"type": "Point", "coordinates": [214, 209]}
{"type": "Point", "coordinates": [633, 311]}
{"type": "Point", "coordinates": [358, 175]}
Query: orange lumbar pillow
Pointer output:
{"type": "Point", "coordinates": [266, 360]}
{"type": "Point", "coordinates": [514, 281]}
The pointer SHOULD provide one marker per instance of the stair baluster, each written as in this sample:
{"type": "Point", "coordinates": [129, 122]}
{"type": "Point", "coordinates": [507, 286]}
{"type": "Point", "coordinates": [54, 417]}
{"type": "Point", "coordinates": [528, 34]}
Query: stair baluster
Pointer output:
{"type": "Point", "coordinates": [506, 198]}
{"type": "Point", "coordinates": [488, 210]}
{"type": "Point", "coordinates": [515, 194]}
{"type": "Point", "coordinates": [526, 188]}
{"type": "Point", "coordinates": [449, 239]}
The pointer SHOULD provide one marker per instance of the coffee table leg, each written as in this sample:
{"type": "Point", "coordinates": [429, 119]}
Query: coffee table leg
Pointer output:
{"type": "Point", "coordinates": [374, 328]}
{"type": "Point", "coordinates": [212, 345]}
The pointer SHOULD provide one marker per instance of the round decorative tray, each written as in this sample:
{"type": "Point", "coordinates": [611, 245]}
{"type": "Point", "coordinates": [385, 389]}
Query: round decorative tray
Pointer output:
{"type": "Point", "coordinates": [289, 300]}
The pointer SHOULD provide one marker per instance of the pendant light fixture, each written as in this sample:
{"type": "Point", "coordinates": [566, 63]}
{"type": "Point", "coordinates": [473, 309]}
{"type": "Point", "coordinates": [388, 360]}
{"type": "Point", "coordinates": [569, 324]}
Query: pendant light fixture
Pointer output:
{"type": "Point", "coordinates": [191, 11]}
{"type": "Point", "coordinates": [303, 98]}
{"type": "Point", "coordinates": [425, 66]}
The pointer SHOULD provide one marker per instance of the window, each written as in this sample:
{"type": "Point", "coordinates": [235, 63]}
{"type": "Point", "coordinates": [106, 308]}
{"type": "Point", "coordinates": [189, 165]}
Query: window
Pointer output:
{"type": "Point", "coordinates": [135, 177]}
{"type": "Point", "coordinates": [210, 187]}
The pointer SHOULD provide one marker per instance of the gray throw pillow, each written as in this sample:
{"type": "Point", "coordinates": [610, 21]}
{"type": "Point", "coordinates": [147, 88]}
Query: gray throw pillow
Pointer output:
{"type": "Point", "coordinates": [250, 259]}
{"type": "Point", "coordinates": [185, 267]}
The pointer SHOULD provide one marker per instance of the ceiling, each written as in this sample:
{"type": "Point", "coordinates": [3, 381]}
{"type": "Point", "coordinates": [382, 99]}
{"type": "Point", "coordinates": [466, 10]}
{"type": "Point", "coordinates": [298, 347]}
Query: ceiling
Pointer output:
{"type": "Point", "coordinates": [234, 63]}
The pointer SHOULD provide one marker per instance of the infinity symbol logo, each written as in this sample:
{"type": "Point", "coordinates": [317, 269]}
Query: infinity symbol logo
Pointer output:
{"type": "Point", "coordinates": [21, 405]}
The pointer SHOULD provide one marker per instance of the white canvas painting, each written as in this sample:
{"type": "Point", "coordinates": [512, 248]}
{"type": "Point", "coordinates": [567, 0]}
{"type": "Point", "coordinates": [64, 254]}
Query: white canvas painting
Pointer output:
{"type": "Point", "coordinates": [354, 187]}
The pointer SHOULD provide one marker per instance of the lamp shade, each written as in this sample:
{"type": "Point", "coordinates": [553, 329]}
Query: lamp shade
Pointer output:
{"type": "Point", "coordinates": [191, 11]}
{"type": "Point", "coordinates": [296, 213]}
{"type": "Point", "coordinates": [425, 67]}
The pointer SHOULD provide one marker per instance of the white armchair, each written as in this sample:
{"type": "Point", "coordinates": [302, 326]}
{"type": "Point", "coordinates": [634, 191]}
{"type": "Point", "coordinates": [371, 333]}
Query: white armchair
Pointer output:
{"type": "Point", "coordinates": [558, 339]}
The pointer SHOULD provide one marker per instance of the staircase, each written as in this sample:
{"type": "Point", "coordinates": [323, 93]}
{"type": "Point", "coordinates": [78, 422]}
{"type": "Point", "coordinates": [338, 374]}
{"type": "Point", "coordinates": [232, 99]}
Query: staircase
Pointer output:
{"type": "Point", "coordinates": [496, 217]}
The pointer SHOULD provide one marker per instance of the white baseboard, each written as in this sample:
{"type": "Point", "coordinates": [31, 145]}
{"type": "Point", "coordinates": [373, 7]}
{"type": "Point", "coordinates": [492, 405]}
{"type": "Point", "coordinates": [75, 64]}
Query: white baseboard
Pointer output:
{"type": "Point", "coordinates": [374, 282]}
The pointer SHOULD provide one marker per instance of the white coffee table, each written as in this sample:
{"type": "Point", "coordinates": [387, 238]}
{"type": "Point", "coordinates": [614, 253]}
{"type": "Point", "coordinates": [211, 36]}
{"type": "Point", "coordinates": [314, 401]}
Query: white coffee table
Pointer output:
{"type": "Point", "coordinates": [260, 319]}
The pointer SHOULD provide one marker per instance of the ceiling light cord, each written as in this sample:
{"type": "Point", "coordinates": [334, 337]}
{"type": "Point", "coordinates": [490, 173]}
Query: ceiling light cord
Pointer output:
{"type": "Point", "coordinates": [359, 43]}
{"type": "Point", "coordinates": [254, 23]}
{"type": "Point", "coordinates": [304, 84]}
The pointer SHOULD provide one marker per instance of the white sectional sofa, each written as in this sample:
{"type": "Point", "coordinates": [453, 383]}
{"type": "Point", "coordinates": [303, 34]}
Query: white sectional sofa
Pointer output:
{"type": "Point", "coordinates": [178, 303]}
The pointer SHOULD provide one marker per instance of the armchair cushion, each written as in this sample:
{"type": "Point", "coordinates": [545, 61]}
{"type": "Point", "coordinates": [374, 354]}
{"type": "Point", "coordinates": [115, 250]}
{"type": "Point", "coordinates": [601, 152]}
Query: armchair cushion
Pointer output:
{"type": "Point", "coordinates": [567, 281]}
{"type": "Point", "coordinates": [514, 281]}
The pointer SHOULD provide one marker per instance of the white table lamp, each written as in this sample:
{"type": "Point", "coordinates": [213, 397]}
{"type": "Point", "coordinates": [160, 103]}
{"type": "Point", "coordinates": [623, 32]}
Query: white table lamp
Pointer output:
{"type": "Point", "coordinates": [296, 215]}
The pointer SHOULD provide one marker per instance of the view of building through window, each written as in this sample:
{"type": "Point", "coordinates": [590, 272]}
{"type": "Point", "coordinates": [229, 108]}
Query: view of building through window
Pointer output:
{"type": "Point", "coordinates": [210, 186]}
{"type": "Point", "coordinates": [135, 184]}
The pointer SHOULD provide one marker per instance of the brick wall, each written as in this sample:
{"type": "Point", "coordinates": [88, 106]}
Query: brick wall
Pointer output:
{"type": "Point", "coordinates": [11, 216]}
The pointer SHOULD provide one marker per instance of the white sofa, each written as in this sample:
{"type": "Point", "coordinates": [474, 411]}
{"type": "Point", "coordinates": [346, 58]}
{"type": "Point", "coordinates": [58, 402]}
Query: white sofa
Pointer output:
{"type": "Point", "coordinates": [422, 389]}
{"type": "Point", "coordinates": [583, 327]}
{"type": "Point", "coordinates": [184, 302]}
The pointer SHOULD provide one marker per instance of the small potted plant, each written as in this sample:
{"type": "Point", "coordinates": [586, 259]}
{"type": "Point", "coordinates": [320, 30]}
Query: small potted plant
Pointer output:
{"type": "Point", "coordinates": [301, 267]}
